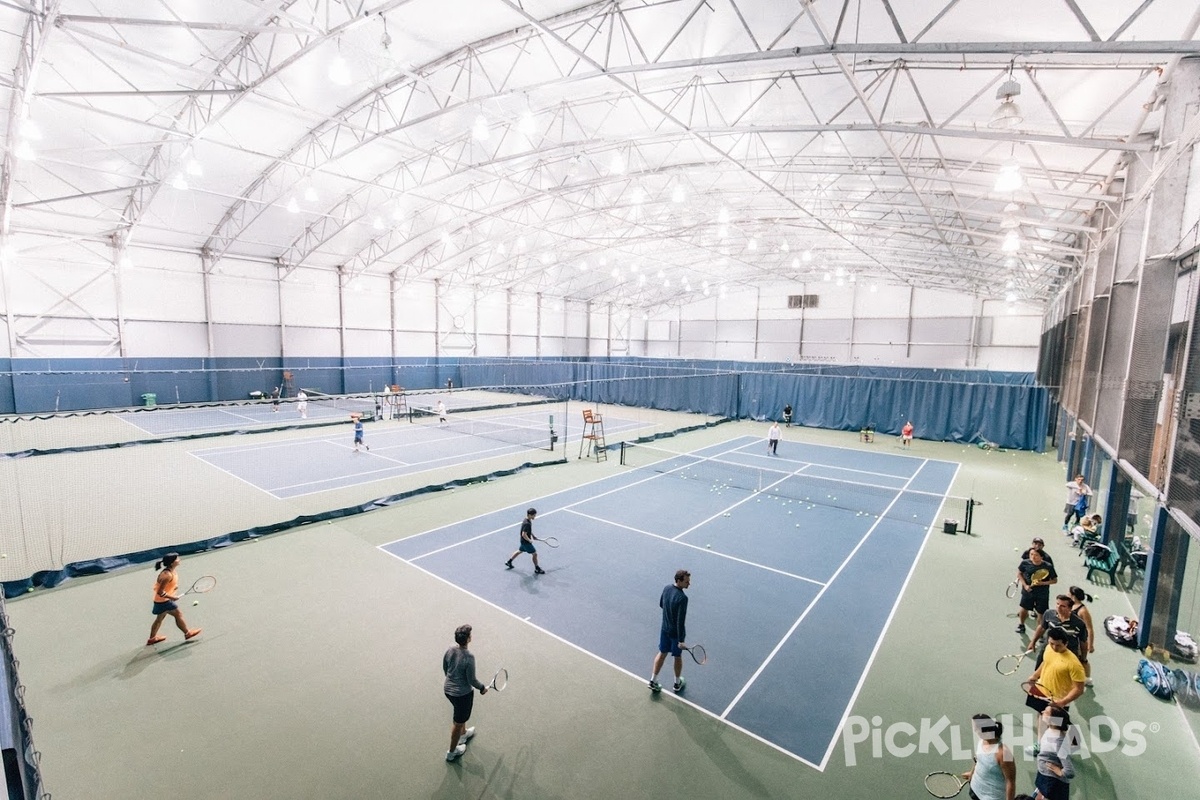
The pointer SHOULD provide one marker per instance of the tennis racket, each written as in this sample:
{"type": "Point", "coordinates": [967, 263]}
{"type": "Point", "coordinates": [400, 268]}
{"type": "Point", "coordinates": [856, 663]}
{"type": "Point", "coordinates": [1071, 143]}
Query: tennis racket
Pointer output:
{"type": "Point", "coordinates": [499, 680]}
{"type": "Point", "coordinates": [549, 541]}
{"type": "Point", "coordinates": [944, 784]}
{"type": "Point", "coordinates": [205, 583]}
{"type": "Point", "coordinates": [1037, 696]}
{"type": "Point", "coordinates": [1011, 592]}
{"type": "Point", "coordinates": [1007, 665]}
{"type": "Point", "coordinates": [697, 653]}
{"type": "Point", "coordinates": [1037, 577]}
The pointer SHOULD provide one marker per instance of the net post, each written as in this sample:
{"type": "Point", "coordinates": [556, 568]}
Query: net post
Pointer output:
{"type": "Point", "coordinates": [624, 444]}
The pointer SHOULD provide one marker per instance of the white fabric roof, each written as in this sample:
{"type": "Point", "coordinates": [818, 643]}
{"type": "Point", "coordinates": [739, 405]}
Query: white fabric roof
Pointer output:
{"type": "Point", "coordinates": [608, 151]}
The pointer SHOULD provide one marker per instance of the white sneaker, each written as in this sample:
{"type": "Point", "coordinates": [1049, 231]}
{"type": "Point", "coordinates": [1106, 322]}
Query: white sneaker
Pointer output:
{"type": "Point", "coordinates": [467, 734]}
{"type": "Point", "coordinates": [1088, 682]}
{"type": "Point", "coordinates": [456, 753]}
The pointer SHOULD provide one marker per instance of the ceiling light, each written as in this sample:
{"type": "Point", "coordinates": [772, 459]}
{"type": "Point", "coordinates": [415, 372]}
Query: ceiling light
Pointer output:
{"type": "Point", "coordinates": [1012, 242]}
{"type": "Point", "coordinates": [723, 216]}
{"type": "Point", "coordinates": [1008, 179]}
{"type": "Point", "coordinates": [874, 287]}
{"type": "Point", "coordinates": [292, 205]}
{"type": "Point", "coordinates": [1011, 297]}
{"type": "Point", "coordinates": [722, 232]}
{"type": "Point", "coordinates": [806, 256]}
{"type": "Point", "coordinates": [678, 195]}
{"type": "Point", "coordinates": [24, 151]}
{"type": "Point", "coordinates": [526, 125]}
{"type": "Point", "coordinates": [377, 223]}
{"type": "Point", "coordinates": [583, 266]}
{"type": "Point", "coordinates": [178, 182]}
{"type": "Point", "coordinates": [30, 131]}
{"type": "Point", "coordinates": [1008, 115]}
{"type": "Point", "coordinates": [310, 195]}
{"type": "Point", "coordinates": [828, 276]}
{"type": "Point", "coordinates": [480, 129]}
{"type": "Point", "coordinates": [795, 263]}
{"type": "Point", "coordinates": [841, 281]}
{"type": "Point", "coordinates": [339, 71]}
{"type": "Point", "coordinates": [500, 249]}
{"type": "Point", "coordinates": [784, 247]}
{"type": "Point", "coordinates": [752, 244]}
{"type": "Point", "coordinates": [638, 195]}
{"type": "Point", "coordinates": [616, 273]}
{"type": "Point", "coordinates": [617, 165]}
{"type": "Point", "coordinates": [641, 280]}
{"type": "Point", "coordinates": [194, 168]}
{"type": "Point", "coordinates": [547, 259]}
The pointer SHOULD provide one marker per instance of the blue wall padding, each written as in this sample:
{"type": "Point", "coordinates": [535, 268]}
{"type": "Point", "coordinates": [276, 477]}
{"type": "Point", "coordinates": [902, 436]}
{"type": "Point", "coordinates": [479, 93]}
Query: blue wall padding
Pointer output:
{"type": "Point", "coordinates": [1007, 408]}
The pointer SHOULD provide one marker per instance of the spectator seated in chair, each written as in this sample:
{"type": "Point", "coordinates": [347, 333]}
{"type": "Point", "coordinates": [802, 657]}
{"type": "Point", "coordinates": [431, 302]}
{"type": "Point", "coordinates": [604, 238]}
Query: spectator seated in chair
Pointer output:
{"type": "Point", "coordinates": [1088, 530]}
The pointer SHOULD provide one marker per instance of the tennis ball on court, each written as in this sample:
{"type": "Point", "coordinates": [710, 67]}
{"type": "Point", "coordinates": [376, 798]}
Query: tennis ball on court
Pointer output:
{"type": "Point", "coordinates": [30, 589]}
{"type": "Point", "coordinates": [195, 602]}
{"type": "Point", "coordinates": [709, 546]}
{"type": "Point", "coordinates": [3, 555]}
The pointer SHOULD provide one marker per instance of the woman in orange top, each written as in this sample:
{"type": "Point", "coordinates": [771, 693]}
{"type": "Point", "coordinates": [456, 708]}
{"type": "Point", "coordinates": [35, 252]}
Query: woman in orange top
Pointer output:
{"type": "Point", "coordinates": [166, 593]}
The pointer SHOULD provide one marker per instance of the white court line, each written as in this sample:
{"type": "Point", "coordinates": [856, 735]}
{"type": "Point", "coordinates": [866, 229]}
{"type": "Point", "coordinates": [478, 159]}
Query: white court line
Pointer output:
{"type": "Point", "coordinates": [602, 660]}
{"type": "Point", "coordinates": [887, 624]}
{"type": "Point", "coordinates": [739, 502]}
{"type": "Point", "coordinates": [734, 465]}
{"type": "Point", "coordinates": [567, 507]}
{"type": "Point", "coordinates": [391, 472]}
{"type": "Point", "coordinates": [777, 459]}
{"type": "Point", "coordinates": [696, 547]}
{"type": "Point", "coordinates": [235, 476]}
{"type": "Point", "coordinates": [814, 601]}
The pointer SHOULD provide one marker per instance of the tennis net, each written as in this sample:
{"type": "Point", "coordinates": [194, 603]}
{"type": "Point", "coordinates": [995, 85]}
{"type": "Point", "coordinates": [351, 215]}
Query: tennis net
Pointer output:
{"type": "Point", "coordinates": [720, 474]}
{"type": "Point", "coordinates": [530, 429]}
{"type": "Point", "coordinates": [368, 405]}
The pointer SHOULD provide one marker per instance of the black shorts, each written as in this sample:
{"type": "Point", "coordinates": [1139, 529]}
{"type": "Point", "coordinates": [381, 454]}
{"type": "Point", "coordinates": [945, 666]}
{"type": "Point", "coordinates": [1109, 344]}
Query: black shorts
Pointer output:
{"type": "Point", "coordinates": [164, 608]}
{"type": "Point", "coordinates": [1051, 787]}
{"type": "Point", "coordinates": [1033, 602]}
{"type": "Point", "coordinates": [463, 704]}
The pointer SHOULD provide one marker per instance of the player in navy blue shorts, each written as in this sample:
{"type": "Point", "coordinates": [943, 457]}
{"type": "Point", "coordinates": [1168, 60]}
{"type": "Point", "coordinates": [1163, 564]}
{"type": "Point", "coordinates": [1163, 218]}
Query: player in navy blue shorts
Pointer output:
{"type": "Point", "coordinates": [358, 433]}
{"type": "Point", "coordinates": [526, 545]}
{"type": "Point", "coordinates": [673, 603]}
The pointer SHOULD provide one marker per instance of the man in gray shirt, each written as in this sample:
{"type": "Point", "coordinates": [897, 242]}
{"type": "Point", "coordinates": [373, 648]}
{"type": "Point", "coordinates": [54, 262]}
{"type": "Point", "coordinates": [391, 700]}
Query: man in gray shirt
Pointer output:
{"type": "Point", "coordinates": [459, 665]}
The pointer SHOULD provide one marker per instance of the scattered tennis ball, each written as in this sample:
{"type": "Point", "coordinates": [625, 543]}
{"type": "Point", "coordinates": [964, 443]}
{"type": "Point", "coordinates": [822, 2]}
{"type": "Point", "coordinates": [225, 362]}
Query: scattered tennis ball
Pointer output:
{"type": "Point", "coordinates": [709, 546]}
{"type": "Point", "coordinates": [30, 589]}
{"type": "Point", "coordinates": [195, 602]}
{"type": "Point", "coordinates": [3, 555]}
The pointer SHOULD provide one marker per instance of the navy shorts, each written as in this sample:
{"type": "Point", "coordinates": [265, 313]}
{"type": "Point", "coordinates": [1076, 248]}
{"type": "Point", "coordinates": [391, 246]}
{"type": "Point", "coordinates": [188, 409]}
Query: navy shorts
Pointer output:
{"type": "Point", "coordinates": [527, 547]}
{"type": "Point", "coordinates": [358, 438]}
{"type": "Point", "coordinates": [463, 704]}
{"type": "Point", "coordinates": [1051, 787]}
{"type": "Point", "coordinates": [163, 608]}
{"type": "Point", "coordinates": [668, 644]}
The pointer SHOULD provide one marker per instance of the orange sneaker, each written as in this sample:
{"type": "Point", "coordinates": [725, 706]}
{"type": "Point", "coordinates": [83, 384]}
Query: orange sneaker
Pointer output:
{"type": "Point", "coordinates": [192, 634]}
{"type": "Point", "coordinates": [155, 640]}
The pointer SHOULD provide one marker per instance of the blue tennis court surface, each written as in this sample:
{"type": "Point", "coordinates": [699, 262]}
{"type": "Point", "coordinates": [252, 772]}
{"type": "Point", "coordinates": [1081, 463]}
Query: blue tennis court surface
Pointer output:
{"type": "Point", "coordinates": [326, 461]}
{"type": "Point", "coordinates": [797, 561]}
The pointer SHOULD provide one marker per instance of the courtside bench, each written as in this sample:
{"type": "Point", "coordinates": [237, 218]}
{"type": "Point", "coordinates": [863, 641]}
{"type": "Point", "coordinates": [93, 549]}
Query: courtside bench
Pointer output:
{"type": "Point", "coordinates": [1101, 558]}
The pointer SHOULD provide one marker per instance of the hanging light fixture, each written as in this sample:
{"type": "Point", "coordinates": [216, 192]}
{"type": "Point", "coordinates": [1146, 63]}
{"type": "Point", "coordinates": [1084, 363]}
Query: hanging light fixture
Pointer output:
{"type": "Point", "coordinates": [1008, 115]}
{"type": "Point", "coordinates": [1009, 179]}
{"type": "Point", "coordinates": [1010, 221]}
{"type": "Point", "coordinates": [1012, 242]}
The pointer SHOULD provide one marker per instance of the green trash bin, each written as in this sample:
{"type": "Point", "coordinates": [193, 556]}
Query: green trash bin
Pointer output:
{"type": "Point", "coordinates": [149, 400]}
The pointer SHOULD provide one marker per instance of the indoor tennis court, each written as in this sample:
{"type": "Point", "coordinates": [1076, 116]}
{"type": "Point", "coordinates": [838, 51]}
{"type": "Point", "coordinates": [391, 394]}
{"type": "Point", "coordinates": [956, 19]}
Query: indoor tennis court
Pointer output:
{"type": "Point", "coordinates": [843, 307]}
